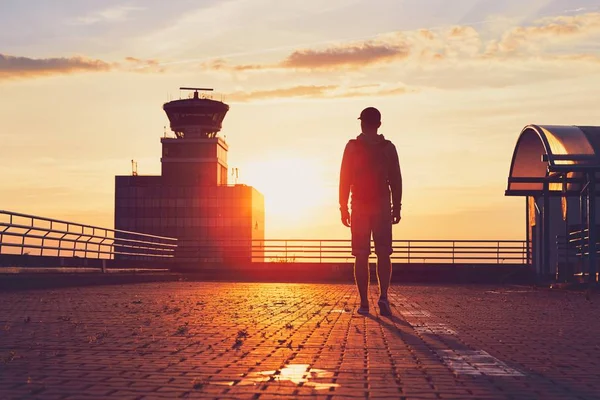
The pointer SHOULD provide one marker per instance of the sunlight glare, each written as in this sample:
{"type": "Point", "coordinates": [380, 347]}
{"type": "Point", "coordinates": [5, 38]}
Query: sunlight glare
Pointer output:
{"type": "Point", "coordinates": [293, 187]}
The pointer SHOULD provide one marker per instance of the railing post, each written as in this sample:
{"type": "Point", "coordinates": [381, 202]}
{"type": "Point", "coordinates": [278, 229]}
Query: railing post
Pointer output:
{"type": "Point", "coordinates": [453, 251]}
{"type": "Point", "coordinates": [75, 246]}
{"type": "Point", "coordinates": [23, 242]}
{"type": "Point", "coordinates": [43, 241]}
{"type": "Point", "coordinates": [409, 256]}
{"type": "Point", "coordinates": [60, 243]}
{"type": "Point", "coordinates": [498, 253]}
{"type": "Point", "coordinates": [592, 229]}
{"type": "Point", "coordinates": [100, 244]}
{"type": "Point", "coordinates": [320, 251]}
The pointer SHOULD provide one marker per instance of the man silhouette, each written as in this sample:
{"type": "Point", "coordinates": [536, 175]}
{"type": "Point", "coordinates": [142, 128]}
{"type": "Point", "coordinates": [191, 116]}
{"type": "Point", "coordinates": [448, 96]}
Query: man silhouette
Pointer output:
{"type": "Point", "coordinates": [371, 170]}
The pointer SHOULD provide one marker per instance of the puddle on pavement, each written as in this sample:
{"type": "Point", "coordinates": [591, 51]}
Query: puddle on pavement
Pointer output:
{"type": "Point", "coordinates": [340, 311]}
{"type": "Point", "coordinates": [294, 373]}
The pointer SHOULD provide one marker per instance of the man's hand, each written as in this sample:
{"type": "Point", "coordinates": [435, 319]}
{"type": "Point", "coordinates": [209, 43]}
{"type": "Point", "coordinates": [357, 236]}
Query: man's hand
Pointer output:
{"type": "Point", "coordinates": [396, 216]}
{"type": "Point", "coordinates": [345, 217]}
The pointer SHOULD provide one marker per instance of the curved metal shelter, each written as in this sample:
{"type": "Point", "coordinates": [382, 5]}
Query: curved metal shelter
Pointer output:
{"type": "Point", "coordinates": [550, 161]}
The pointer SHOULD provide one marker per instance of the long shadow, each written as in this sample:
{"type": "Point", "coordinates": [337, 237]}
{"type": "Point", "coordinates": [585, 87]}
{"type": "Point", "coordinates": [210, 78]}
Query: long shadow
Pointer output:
{"type": "Point", "coordinates": [499, 385]}
{"type": "Point", "coordinates": [410, 339]}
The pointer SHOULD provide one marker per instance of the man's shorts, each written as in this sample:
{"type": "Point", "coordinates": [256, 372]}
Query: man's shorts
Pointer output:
{"type": "Point", "coordinates": [366, 222]}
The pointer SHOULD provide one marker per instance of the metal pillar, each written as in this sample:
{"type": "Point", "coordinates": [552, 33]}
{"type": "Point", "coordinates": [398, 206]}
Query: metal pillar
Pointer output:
{"type": "Point", "coordinates": [546, 233]}
{"type": "Point", "coordinates": [582, 228]}
{"type": "Point", "coordinates": [562, 269]}
{"type": "Point", "coordinates": [527, 229]}
{"type": "Point", "coordinates": [592, 227]}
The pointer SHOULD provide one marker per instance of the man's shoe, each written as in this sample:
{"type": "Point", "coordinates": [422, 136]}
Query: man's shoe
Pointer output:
{"type": "Point", "coordinates": [363, 310]}
{"type": "Point", "coordinates": [384, 307]}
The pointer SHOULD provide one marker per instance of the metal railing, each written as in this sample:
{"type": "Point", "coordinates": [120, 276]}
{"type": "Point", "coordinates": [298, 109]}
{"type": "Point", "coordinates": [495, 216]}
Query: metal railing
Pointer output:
{"type": "Point", "coordinates": [579, 240]}
{"type": "Point", "coordinates": [22, 234]}
{"type": "Point", "coordinates": [405, 251]}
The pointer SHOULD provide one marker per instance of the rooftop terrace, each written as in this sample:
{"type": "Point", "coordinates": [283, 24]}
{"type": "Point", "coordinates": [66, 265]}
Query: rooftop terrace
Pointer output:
{"type": "Point", "coordinates": [264, 341]}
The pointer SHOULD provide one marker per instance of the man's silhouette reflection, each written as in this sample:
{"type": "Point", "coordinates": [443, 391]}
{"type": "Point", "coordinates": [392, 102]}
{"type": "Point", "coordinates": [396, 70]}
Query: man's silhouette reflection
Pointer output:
{"type": "Point", "coordinates": [370, 170]}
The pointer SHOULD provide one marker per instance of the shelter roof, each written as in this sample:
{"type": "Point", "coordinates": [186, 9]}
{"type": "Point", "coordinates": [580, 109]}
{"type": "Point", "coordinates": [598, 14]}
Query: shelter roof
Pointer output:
{"type": "Point", "coordinates": [553, 156]}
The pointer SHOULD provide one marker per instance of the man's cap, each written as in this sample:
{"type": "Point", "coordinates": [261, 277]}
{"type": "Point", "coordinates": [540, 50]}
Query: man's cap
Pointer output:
{"type": "Point", "coordinates": [370, 114]}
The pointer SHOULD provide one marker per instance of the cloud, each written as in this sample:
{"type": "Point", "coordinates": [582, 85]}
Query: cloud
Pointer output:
{"type": "Point", "coordinates": [320, 92]}
{"type": "Point", "coordinates": [374, 91]}
{"type": "Point", "coordinates": [220, 64]}
{"type": "Point", "coordinates": [134, 64]}
{"type": "Point", "coordinates": [349, 56]}
{"type": "Point", "coordinates": [13, 67]}
{"type": "Point", "coordinates": [24, 67]}
{"type": "Point", "coordinates": [433, 48]}
{"type": "Point", "coordinates": [112, 14]}
{"type": "Point", "coordinates": [352, 55]}
{"type": "Point", "coordinates": [547, 31]}
{"type": "Point", "coordinates": [294, 91]}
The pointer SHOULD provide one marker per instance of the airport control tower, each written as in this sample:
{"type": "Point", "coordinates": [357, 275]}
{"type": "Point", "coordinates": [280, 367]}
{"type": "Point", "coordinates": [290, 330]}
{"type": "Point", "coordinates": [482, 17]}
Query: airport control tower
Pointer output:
{"type": "Point", "coordinates": [196, 153]}
{"type": "Point", "coordinates": [191, 199]}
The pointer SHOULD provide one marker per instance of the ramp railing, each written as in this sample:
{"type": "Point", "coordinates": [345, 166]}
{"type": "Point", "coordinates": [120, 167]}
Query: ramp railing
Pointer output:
{"type": "Point", "coordinates": [22, 234]}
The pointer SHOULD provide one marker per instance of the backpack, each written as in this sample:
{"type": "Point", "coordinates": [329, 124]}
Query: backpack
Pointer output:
{"type": "Point", "coordinates": [370, 177]}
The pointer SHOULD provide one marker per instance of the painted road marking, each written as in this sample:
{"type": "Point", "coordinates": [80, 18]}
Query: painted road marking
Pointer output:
{"type": "Point", "coordinates": [461, 362]}
{"type": "Point", "coordinates": [476, 362]}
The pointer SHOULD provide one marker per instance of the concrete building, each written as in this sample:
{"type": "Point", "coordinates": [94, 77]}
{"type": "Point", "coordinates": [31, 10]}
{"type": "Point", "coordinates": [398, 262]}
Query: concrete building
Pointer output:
{"type": "Point", "coordinates": [192, 199]}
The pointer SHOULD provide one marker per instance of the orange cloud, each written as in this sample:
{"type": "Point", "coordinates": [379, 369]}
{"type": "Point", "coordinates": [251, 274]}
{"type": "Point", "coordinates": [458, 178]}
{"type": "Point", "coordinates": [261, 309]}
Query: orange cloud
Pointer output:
{"type": "Point", "coordinates": [220, 64]}
{"type": "Point", "coordinates": [24, 67]}
{"type": "Point", "coordinates": [547, 29]}
{"type": "Point", "coordinates": [352, 55]}
{"type": "Point", "coordinates": [433, 48]}
{"type": "Point", "coordinates": [374, 91]}
{"type": "Point", "coordinates": [12, 67]}
{"type": "Point", "coordinates": [143, 65]}
{"type": "Point", "coordinates": [321, 92]}
{"type": "Point", "coordinates": [461, 32]}
{"type": "Point", "coordinates": [294, 91]}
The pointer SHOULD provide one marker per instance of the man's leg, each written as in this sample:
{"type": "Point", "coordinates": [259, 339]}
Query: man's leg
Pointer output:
{"type": "Point", "coordinates": [361, 249]}
{"type": "Point", "coordinates": [361, 277]}
{"type": "Point", "coordinates": [382, 235]}
{"type": "Point", "coordinates": [384, 274]}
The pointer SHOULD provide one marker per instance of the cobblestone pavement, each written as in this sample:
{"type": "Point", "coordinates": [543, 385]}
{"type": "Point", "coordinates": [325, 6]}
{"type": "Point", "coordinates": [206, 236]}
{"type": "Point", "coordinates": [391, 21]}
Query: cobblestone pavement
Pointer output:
{"type": "Point", "coordinates": [262, 341]}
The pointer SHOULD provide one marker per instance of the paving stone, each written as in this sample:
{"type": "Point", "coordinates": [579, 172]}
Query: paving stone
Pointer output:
{"type": "Point", "coordinates": [268, 341]}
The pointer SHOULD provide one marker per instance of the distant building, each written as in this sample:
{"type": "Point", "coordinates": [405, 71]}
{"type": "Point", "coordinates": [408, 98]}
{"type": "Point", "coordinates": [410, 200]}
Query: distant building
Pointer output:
{"type": "Point", "coordinates": [191, 199]}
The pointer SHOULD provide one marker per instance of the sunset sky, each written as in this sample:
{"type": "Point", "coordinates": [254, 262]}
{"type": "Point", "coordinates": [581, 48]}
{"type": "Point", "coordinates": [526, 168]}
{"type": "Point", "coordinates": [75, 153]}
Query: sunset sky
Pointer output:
{"type": "Point", "coordinates": [82, 85]}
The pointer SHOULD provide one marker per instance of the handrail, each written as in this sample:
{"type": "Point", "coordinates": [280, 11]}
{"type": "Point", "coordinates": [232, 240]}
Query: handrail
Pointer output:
{"type": "Point", "coordinates": [16, 214]}
{"type": "Point", "coordinates": [42, 236]}
{"type": "Point", "coordinates": [339, 250]}
{"type": "Point", "coordinates": [75, 239]}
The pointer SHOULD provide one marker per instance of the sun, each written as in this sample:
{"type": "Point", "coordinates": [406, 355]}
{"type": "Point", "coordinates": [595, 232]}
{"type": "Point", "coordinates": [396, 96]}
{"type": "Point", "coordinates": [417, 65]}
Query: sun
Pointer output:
{"type": "Point", "coordinates": [293, 187]}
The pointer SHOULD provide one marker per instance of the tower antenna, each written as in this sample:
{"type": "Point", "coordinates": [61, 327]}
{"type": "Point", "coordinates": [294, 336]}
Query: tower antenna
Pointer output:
{"type": "Point", "coordinates": [134, 170]}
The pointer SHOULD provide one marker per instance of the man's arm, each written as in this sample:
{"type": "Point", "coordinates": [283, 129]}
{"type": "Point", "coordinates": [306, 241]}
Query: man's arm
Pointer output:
{"type": "Point", "coordinates": [345, 182]}
{"type": "Point", "coordinates": [395, 178]}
